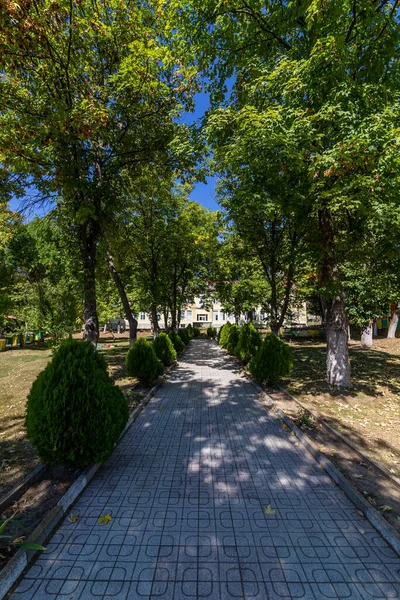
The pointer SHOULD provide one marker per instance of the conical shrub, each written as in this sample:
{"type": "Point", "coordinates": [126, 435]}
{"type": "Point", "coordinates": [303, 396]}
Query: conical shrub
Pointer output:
{"type": "Point", "coordinates": [142, 362]}
{"type": "Point", "coordinates": [164, 349]}
{"type": "Point", "coordinates": [248, 344]}
{"type": "Point", "coordinates": [223, 334]}
{"type": "Point", "coordinates": [177, 341]}
{"type": "Point", "coordinates": [233, 338]}
{"type": "Point", "coordinates": [75, 412]}
{"type": "Point", "coordinates": [185, 337]}
{"type": "Point", "coordinates": [272, 361]}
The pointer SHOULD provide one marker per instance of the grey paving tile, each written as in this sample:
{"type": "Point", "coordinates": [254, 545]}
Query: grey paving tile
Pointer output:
{"type": "Point", "coordinates": [187, 488]}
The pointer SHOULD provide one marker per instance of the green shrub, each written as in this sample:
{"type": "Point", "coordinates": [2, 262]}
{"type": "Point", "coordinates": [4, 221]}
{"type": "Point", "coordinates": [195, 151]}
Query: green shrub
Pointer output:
{"type": "Point", "coordinates": [211, 333]}
{"type": "Point", "coordinates": [272, 361]}
{"type": "Point", "coordinates": [164, 349]}
{"type": "Point", "coordinates": [177, 341]}
{"type": "Point", "coordinates": [142, 362]}
{"type": "Point", "coordinates": [196, 331]}
{"type": "Point", "coordinates": [189, 330]}
{"type": "Point", "coordinates": [223, 334]}
{"type": "Point", "coordinates": [248, 344]}
{"type": "Point", "coordinates": [75, 412]}
{"type": "Point", "coordinates": [233, 338]}
{"type": "Point", "coordinates": [183, 334]}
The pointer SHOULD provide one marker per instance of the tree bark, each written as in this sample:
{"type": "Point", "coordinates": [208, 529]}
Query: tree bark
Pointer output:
{"type": "Point", "coordinates": [88, 248]}
{"type": "Point", "coordinates": [125, 302]}
{"type": "Point", "coordinates": [393, 324]}
{"type": "Point", "coordinates": [366, 335]}
{"type": "Point", "coordinates": [154, 321]}
{"type": "Point", "coordinates": [374, 329]}
{"type": "Point", "coordinates": [333, 305]}
{"type": "Point", "coordinates": [275, 328]}
{"type": "Point", "coordinates": [166, 315]}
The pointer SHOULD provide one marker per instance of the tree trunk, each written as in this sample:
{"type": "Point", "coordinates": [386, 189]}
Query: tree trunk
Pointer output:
{"type": "Point", "coordinates": [366, 335]}
{"type": "Point", "coordinates": [375, 329]}
{"type": "Point", "coordinates": [275, 328]}
{"type": "Point", "coordinates": [333, 305]}
{"type": "Point", "coordinates": [154, 321]}
{"type": "Point", "coordinates": [88, 249]}
{"type": "Point", "coordinates": [393, 324]}
{"type": "Point", "coordinates": [166, 315]}
{"type": "Point", "coordinates": [174, 308]}
{"type": "Point", "coordinates": [125, 302]}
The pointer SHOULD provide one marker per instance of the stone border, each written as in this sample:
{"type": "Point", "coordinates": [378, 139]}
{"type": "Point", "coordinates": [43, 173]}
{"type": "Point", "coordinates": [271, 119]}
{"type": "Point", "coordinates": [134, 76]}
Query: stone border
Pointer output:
{"type": "Point", "coordinates": [379, 522]}
{"type": "Point", "coordinates": [362, 454]}
{"type": "Point", "coordinates": [21, 487]}
{"type": "Point", "coordinates": [381, 525]}
{"type": "Point", "coordinates": [21, 559]}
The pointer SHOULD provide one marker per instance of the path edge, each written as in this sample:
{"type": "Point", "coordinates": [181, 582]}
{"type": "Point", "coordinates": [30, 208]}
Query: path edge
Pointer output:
{"type": "Point", "coordinates": [381, 525]}
{"type": "Point", "coordinates": [23, 557]}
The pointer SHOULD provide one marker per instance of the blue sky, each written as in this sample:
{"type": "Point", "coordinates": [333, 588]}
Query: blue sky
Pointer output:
{"type": "Point", "coordinates": [204, 193]}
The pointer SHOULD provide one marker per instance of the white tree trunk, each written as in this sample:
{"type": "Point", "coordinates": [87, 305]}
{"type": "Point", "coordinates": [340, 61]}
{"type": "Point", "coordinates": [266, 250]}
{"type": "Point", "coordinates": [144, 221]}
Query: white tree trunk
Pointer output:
{"type": "Point", "coordinates": [393, 325]}
{"type": "Point", "coordinates": [337, 357]}
{"type": "Point", "coordinates": [366, 335]}
{"type": "Point", "coordinates": [105, 328]}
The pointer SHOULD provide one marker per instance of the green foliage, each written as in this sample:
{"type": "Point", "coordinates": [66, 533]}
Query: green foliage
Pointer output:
{"type": "Point", "coordinates": [7, 540]}
{"type": "Point", "coordinates": [184, 335]}
{"type": "Point", "coordinates": [224, 334]}
{"type": "Point", "coordinates": [248, 344]}
{"type": "Point", "coordinates": [177, 341]}
{"type": "Point", "coordinates": [75, 412]}
{"type": "Point", "coordinates": [190, 331]}
{"type": "Point", "coordinates": [211, 333]}
{"type": "Point", "coordinates": [142, 362]}
{"type": "Point", "coordinates": [272, 361]}
{"type": "Point", "coordinates": [164, 349]}
{"type": "Point", "coordinates": [196, 331]}
{"type": "Point", "coordinates": [233, 338]}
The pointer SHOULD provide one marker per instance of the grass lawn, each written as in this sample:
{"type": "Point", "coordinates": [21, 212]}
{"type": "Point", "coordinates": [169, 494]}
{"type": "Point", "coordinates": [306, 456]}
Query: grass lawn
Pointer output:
{"type": "Point", "coordinates": [18, 370]}
{"type": "Point", "coordinates": [369, 414]}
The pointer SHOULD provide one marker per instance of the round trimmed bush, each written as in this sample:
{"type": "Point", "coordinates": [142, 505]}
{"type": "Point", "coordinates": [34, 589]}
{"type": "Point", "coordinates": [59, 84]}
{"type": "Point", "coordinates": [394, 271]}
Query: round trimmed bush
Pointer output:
{"type": "Point", "coordinates": [142, 362]}
{"type": "Point", "coordinates": [164, 349]}
{"type": "Point", "coordinates": [75, 412]}
{"type": "Point", "coordinates": [233, 338]}
{"type": "Point", "coordinates": [272, 361]}
{"type": "Point", "coordinates": [196, 331]}
{"type": "Point", "coordinates": [248, 344]}
{"type": "Point", "coordinates": [177, 341]}
{"type": "Point", "coordinates": [185, 337]}
{"type": "Point", "coordinates": [223, 334]}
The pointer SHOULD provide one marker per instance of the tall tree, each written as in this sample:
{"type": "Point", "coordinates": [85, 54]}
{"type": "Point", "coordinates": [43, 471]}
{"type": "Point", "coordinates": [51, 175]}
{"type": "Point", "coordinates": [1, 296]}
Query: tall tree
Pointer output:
{"type": "Point", "coordinates": [87, 89]}
{"type": "Point", "coordinates": [330, 71]}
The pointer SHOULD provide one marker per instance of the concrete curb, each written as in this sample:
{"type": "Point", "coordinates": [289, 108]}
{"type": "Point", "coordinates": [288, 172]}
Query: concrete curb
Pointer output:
{"type": "Point", "coordinates": [381, 525]}
{"type": "Point", "coordinates": [21, 488]}
{"type": "Point", "coordinates": [20, 561]}
{"type": "Point", "coordinates": [320, 420]}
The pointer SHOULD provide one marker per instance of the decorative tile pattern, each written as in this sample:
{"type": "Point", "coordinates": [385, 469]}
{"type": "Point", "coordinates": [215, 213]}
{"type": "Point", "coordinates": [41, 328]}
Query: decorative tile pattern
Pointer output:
{"type": "Point", "coordinates": [187, 489]}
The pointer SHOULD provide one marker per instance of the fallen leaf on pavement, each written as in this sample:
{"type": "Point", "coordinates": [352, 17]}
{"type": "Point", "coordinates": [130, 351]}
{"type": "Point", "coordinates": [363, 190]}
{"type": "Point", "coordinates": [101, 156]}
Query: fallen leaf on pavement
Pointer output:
{"type": "Point", "coordinates": [106, 519]}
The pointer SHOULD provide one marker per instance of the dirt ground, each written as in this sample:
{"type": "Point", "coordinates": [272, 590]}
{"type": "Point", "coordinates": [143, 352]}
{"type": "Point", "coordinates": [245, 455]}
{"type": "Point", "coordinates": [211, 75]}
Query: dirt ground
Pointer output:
{"type": "Point", "coordinates": [18, 370]}
{"type": "Point", "coordinates": [369, 414]}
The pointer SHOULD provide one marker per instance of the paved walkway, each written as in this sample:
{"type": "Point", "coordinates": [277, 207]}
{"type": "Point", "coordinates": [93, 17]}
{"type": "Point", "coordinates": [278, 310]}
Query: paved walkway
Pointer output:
{"type": "Point", "coordinates": [187, 490]}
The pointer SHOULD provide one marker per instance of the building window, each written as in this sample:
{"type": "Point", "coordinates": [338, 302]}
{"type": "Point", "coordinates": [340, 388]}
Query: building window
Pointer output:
{"type": "Point", "coordinates": [215, 315]}
{"type": "Point", "coordinates": [182, 315]}
{"type": "Point", "coordinates": [221, 312]}
{"type": "Point", "coordinates": [201, 317]}
{"type": "Point", "coordinates": [142, 316]}
{"type": "Point", "coordinates": [188, 315]}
